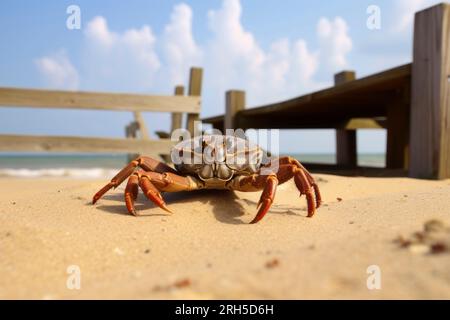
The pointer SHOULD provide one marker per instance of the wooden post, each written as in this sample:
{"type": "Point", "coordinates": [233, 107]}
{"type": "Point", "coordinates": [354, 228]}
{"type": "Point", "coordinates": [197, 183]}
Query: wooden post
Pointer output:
{"type": "Point", "coordinates": [430, 94]}
{"type": "Point", "coordinates": [195, 89]}
{"type": "Point", "coordinates": [346, 154]}
{"type": "Point", "coordinates": [141, 124]}
{"type": "Point", "coordinates": [234, 102]}
{"type": "Point", "coordinates": [177, 116]}
{"type": "Point", "coordinates": [344, 76]}
{"type": "Point", "coordinates": [398, 115]}
{"type": "Point", "coordinates": [131, 133]}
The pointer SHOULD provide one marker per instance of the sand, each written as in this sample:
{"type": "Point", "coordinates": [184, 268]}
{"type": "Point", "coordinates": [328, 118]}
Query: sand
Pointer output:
{"type": "Point", "coordinates": [206, 249]}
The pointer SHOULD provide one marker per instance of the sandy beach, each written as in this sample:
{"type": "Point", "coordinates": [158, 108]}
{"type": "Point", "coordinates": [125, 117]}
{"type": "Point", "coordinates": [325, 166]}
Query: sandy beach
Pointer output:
{"type": "Point", "coordinates": [206, 249]}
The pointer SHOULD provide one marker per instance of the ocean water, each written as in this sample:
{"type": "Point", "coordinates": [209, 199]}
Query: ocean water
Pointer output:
{"type": "Point", "coordinates": [106, 165]}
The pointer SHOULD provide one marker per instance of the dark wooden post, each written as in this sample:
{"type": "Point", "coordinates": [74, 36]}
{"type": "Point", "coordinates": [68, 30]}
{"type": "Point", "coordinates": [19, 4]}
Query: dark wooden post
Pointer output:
{"type": "Point", "coordinates": [430, 94]}
{"type": "Point", "coordinates": [398, 115]}
{"type": "Point", "coordinates": [346, 154]}
{"type": "Point", "coordinates": [195, 89]}
{"type": "Point", "coordinates": [177, 116]}
{"type": "Point", "coordinates": [234, 102]}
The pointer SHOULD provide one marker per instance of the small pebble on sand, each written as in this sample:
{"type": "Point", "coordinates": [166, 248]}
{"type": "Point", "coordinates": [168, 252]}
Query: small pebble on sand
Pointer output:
{"type": "Point", "coordinates": [183, 283]}
{"type": "Point", "coordinates": [439, 247]}
{"type": "Point", "coordinates": [272, 263]}
{"type": "Point", "coordinates": [433, 225]}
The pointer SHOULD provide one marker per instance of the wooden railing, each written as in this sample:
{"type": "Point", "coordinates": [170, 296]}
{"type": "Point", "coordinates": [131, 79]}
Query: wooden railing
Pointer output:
{"type": "Point", "coordinates": [137, 103]}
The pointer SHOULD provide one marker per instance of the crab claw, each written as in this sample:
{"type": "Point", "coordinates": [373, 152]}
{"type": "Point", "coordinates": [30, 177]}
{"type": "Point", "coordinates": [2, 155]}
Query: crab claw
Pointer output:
{"type": "Point", "coordinates": [266, 198]}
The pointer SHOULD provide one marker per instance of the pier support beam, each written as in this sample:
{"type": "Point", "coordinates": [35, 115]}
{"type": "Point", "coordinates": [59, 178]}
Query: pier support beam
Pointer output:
{"type": "Point", "coordinates": [234, 102]}
{"type": "Point", "coordinates": [195, 89]}
{"type": "Point", "coordinates": [430, 94]}
{"type": "Point", "coordinates": [177, 117]}
{"type": "Point", "coordinates": [346, 154]}
{"type": "Point", "coordinates": [398, 115]}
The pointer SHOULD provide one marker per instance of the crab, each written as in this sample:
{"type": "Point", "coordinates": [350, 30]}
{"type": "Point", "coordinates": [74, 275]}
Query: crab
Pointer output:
{"type": "Point", "coordinates": [214, 162]}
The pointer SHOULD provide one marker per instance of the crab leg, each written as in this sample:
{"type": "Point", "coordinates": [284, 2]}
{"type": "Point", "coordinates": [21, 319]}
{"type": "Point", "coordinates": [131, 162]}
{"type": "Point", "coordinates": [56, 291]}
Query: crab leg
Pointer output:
{"type": "Point", "coordinates": [131, 192]}
{"type": "Point", "coordinates": [152, 183]}
{"type": "Point", "coordinates": [268, 183]}
{"type": "Point", "coordinates": [150, 164]}
{"type": "Point", "coordinates": [304, 186]}
{"type": "Point", "coordinates": [266, 199]}
{"type": "Point", "coordinates": [291, 161]}
{"type": "Point", "coordinates": [288, 171]}
{"type": "Point", "coordinates": [116, 180]}
{"type": "Point", "coordinates": [152, 193]}
{"type": "Point", "coordinates": [145, 163]}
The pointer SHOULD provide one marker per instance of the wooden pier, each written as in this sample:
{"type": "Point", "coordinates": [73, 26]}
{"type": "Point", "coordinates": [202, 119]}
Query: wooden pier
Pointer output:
{"type": "Point", "coordinates": [412, 102]}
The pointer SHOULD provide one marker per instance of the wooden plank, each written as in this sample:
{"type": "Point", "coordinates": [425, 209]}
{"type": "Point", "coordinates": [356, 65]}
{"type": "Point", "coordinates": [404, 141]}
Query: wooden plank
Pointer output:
{"type": "Point", "coordinates": [361, 98]}
{"type": "Point", "coordinates": [195, 90]}
{"type": "Point", "coordinates": [386, 80]}
{"type": "Point", "coordinates": [177, 117]}
{"type": "Point", "coordinates": [323, 123]}
{"type": "Point", "coordinates": [430, 108]}
{"type": "Point", "coordinates": [94, 100]}
{"type": "Point", "coordinates": [234, 102]}
{"type": "Point", "coordinates": [83, 144]}
{"type": "Point", "coordinates": [346, 154]}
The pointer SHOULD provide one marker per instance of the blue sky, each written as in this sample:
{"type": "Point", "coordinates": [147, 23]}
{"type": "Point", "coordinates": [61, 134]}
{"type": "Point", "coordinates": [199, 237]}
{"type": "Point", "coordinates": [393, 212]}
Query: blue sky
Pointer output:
{"type": "Point", "coordinates": [274, 50]}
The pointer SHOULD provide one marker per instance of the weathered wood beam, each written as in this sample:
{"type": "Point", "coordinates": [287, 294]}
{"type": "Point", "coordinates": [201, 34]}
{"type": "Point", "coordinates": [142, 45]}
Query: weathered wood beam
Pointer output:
{"type": "Point", "coordinates": [398, 120]}
{"type": "Point", "coordinates": [386, 80]}
{"type": "Point", "coordinates": [195, 90]}
{"type": "Point", "coordinates": [32, 98]}
{"type": "Point", "coordinates": [346, 154]}
{"type": "Point", "coordinates": [177, 117]}
{"type": "Point", "coordinates": [83, 144]}
{"type": "Point", "coordinates": [430, 108]}
{"type": "Point", "coordinates": [139, 119]}
{"type": "Point", "coordinates": [234, 102]}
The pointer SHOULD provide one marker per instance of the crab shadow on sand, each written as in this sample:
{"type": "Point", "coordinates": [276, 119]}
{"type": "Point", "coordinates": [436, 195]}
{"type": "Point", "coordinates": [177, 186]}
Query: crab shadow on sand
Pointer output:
{"type": "Point", "coordinates": [226, 206]}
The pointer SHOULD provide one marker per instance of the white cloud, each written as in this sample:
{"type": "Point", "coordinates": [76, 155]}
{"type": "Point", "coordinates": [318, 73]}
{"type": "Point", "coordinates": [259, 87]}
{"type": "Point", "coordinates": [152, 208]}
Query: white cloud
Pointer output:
{"type": "Point", "coordinates": [286, 68]}
{"type": "Point", "coordinates": [119, 61]}
{"type": "Point", "coordinates": [180, 48]}
{"type": "Point", "coordinates": [335, 43]}
{"type": "Point", "coordinates": [137, 60]}
{"type": "Point", "coordinates": [58, 71]}
{"type": "Point", "coordinates": [97, 30]}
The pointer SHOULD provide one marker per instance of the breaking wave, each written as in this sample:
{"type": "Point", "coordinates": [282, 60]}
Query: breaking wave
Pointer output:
{"type": "Point", "coordinates": [81, 173]}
